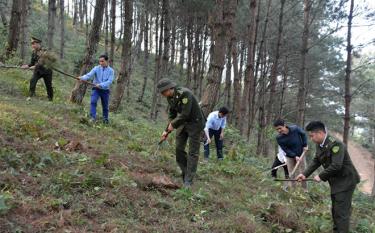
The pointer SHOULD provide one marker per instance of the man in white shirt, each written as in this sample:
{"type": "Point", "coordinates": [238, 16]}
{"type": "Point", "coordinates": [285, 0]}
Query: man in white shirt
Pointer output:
{"type": "Point", "coordinates": [216, 122]}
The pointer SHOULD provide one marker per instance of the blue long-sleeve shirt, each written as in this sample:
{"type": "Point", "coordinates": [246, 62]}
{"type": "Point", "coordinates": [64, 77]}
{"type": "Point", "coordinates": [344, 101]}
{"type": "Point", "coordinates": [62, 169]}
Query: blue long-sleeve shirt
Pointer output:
{"type": "Point", "coordinates": [103, 76]}
{"type": "Point", "coordinates": [293, 142]}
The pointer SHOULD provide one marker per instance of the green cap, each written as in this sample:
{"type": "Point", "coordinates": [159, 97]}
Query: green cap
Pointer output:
{"type": "Point", "coordinates": [165, 84]}
{"type": "Point", "coordinates": [35, 40]}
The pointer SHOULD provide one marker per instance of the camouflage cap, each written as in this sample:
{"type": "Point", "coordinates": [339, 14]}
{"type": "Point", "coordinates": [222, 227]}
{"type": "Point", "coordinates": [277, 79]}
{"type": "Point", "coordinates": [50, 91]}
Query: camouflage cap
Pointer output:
{"type": "Point", "coordinates": [35, 40]}
{"type": "Point", "coordinates": [165, 84]}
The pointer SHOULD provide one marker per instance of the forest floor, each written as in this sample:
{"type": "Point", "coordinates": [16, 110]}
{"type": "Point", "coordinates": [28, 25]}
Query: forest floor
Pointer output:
{"type": "Point", "coordinates": [364, 162]}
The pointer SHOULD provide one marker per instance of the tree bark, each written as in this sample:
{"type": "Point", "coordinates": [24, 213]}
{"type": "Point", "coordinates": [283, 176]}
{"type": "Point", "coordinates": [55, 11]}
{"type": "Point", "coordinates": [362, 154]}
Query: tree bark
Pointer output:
{"type": "Point", "coordinates": [236, 101]}
{"type": "Point", "coordinates": [80, 88]}
{"type": "Point", "coordinates": [75, 14]}
{"type": "Point", "coordinates": [14, 28]}
{"type": "Point", "coordinates": [249, 81]}
{"type": "Point", "coordinates": [348, 70]}
{"type": "Point", "coordinates": [228, 80]}
{"type": "Point", "coordinates": [113, 32]}
{"type": "Point", "coordinates": [124, 76]}
{"type": "Point", "coordinates": [158, 64]}
{"type": "Point", "coordinates": [106, 27]}
{"type": "Point", "coordinates": [223, 17]}
{"type": "Point", "coordinates": [51, 22]}
{"type": "Point", "coordinates": [62, 32]}
{"type": "Point", "coordinates": [146, 56]}
{"type": "Point", "coordinates": [2, 13]}
{"type": "Point", "coordinates": [182, 48]}
{"type": "Point", "coordinates": [24, 30]}
{"type": "Point", "coordinates": [275, 64]}
{"type": "Point", "coordinates": [301, 96]}
{"type": "Point", "coordinates": [189, 52]}
{"type": "Point", "coordinates": [283, 88]}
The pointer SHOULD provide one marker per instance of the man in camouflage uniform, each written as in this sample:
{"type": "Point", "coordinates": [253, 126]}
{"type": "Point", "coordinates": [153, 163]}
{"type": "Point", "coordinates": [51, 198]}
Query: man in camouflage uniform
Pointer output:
{"type": "Point", "coordinates": [338, 171]}
{"type": "Point", "coordinates": [40, 71]}
{"type": "Point", "coordinates": [186, 117]}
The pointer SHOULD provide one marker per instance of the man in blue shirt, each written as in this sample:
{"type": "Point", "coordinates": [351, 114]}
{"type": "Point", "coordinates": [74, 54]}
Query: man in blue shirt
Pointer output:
{"type": "Point", "coordinates": [293, 141]}
{"type": "Point", "coordinates": [216, 122]}
{"type": "Point", "coordinates": [103, 76]}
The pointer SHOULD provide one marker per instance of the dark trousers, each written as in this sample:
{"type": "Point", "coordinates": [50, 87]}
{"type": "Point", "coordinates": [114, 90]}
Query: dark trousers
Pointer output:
{"type": "Point", "coordinates": [218, 143]}
{"type": "Point", "coordinates": [47, 77]}
{"type": "Point", "coordinates": [104, 98]}
{"type": "Point", "coordinates": [188, 162]}
{"type": "Point", "coordinates": [341, 210]}
{"type": "Point", "coordinates": [276, 163]}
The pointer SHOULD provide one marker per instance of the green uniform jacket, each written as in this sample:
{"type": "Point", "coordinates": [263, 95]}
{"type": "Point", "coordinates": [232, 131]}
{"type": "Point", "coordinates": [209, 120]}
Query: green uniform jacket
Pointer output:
{"type": "Point", "coordinates": [185, 110]}
{"type": "Point", "coordinates": [35, 56]}
{"type": "Point", "coordinates": [338, 167]}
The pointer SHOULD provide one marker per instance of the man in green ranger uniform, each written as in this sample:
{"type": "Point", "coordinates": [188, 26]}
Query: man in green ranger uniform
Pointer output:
{"type": "Point", "coordinates": [186, 117]}
{"type": "Point", "coordinates": [338, 171]}
{"type": "Point", "coordinates": [40, 71]}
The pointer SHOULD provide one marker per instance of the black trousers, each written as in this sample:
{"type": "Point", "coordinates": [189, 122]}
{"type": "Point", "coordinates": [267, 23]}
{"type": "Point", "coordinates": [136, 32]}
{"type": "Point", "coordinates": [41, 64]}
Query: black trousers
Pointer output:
{"type": "Point", "coordinates": [276, 163]}
{"type": "Point", "coordinates": [341, 210]}
{"type": "Point", "coordinates": [46, 74]}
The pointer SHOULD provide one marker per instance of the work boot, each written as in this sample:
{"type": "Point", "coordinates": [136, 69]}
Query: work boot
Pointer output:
{"type": "Point", "coordinates": [220, 155]}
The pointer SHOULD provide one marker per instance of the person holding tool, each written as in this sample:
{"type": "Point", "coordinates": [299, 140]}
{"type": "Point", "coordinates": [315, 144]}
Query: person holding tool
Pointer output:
{"type": "Point", "coordinates": [186, 117]}
{"type": "Point", "coordinates": [103, 78]}
{"type": "Point", "coordinates": [40, 71]}
{"type": "Point", "coordinates": [293, 141]}
{"type": "Point", "coordinates": [339, 171]}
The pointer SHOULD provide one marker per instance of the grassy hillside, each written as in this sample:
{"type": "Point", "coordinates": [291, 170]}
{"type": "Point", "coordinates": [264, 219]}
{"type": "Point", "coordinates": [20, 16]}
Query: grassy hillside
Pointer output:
{"type": "Point", "coordinates": [60, 173]}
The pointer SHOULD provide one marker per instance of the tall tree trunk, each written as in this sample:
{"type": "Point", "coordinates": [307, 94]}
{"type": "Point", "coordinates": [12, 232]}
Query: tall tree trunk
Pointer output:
{"type": "Point", "coordinates": [249, 72]}
{"type": "Point", "coordinates": [223, 18]}
{"type": "Point", "coordinates": [173, 42]}
{"type": "Point", "coordinates": [203, 62]}
{"type": "Point", "coordinates": [262, 102]}
{"type": "Point", "coordinates": [196, 53]}
{"type": "Point", "coordinates": [113, 32]}
{"type": "Point", "coordinates": [140, 33]}
{"type": "Point", "coordinates": [348, 70]}
{"type": "Point", "coordinates": [14, 28]}
{"type": "Point", "coordinates": [283, 88]}
{"type": "Point", "coordinates": [166, 38]}
{"type": "Point", "coordinates": [158, 64]}
{"type": "Point", "coordinates": [62, 32]}
{"type": "Point", "coordinates": [228, 72]}
{"type": "Point", "coordinates": [275, 64]}
{"type": "Point", "coordinates": [301, 96]}
{"type": "Point", "coordinates": [80, 88]}
{"type": "Point", "coordinates": [85, 6]}
{"type": "Point", "coordinates": [146, 56]}
{"type": "Point", "coordinates": [236, 84]}
{"type": "Point", "coordinates": [106, 27]}
{"type": "Point", "coordinates": [81, 16]}
{"type": "Point", "coordinates": [51, 22]}
{"type": "Point", "coordinates": [182, 48]}
{"type": "Point", "coordinates": [2, 13]}
{"type": "Point", "coordinates": [24, 31]}
{"type": "Point", "coordinates": [189, 52]}
{"type": "Point", "coordinates": [75, 14]}
{"type": "Point", "coordinates": [124, 76]}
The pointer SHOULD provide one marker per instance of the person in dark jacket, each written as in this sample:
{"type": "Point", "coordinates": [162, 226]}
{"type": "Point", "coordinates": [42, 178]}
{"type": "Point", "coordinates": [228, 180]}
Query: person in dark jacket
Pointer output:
{"type": "Point", "coordinates": [40, 71]}
{"type": "Point", "coordinates": [293, 141]}
{"type": "Point", "coordinates": [339, 171]}
{"type": "Point", "coordinates": [185, 115]}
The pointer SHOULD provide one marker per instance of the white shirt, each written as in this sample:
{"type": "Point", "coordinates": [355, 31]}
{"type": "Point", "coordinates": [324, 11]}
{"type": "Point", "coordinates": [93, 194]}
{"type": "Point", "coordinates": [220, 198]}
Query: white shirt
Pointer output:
{"type": "Point", "coordinates": [215, 122]}
{"type": "Point", "coordinates": [281, 155]}
{"type": "Point", "coordinates": [324, 141]}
